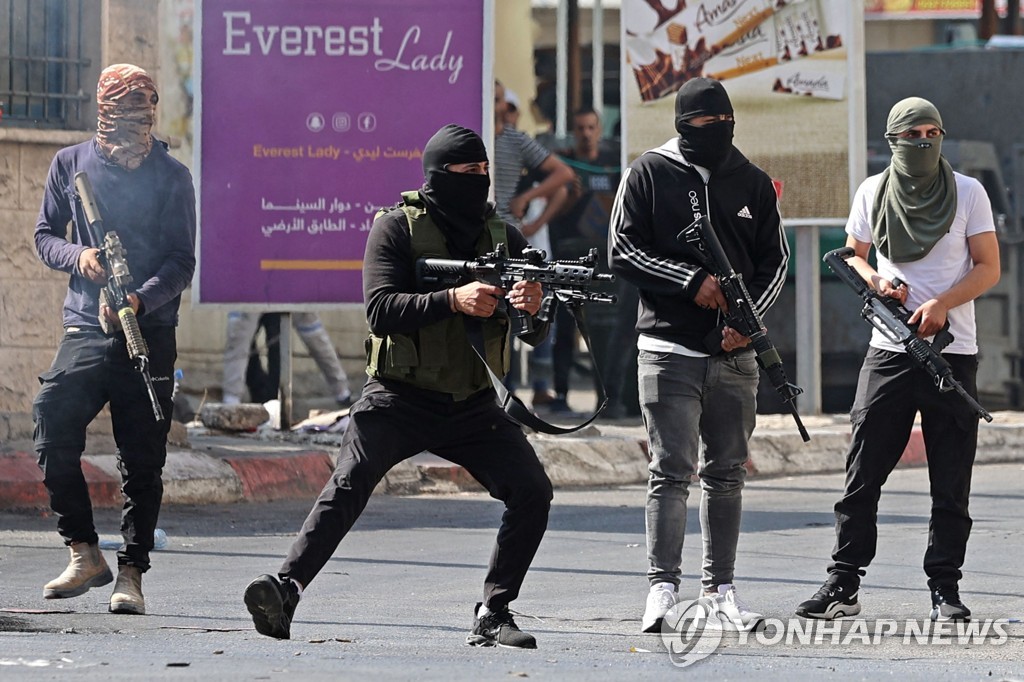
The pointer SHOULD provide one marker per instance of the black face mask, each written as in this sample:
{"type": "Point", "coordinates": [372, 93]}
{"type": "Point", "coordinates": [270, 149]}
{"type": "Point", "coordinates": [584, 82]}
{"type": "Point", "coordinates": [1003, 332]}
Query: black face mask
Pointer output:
{"type": "Point", "coordinates": [458, 203]}
{"type": "Point", "coordinates": [706, 145]}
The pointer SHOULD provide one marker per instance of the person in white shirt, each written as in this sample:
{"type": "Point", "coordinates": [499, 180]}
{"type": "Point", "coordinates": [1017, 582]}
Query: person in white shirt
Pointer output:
{"type": "Point", "coordinates": [932, 228]}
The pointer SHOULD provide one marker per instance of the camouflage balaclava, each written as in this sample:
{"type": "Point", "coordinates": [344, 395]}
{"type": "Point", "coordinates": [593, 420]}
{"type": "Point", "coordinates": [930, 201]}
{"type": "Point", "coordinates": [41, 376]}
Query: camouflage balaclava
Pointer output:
{"type": "Point", "coordinates": [126, 100]}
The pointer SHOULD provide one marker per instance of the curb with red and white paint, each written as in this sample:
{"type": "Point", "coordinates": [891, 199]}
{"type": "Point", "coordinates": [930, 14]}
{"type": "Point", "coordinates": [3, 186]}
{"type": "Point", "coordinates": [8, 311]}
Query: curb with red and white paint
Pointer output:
{"type": "Point", "coordinates": [222, 470]}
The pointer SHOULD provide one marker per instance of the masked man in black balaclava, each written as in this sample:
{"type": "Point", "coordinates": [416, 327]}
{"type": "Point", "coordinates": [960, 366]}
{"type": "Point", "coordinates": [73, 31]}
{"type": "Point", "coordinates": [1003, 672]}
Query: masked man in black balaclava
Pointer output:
{"type": "Point", "coordinates": [428, 390]}
{"type": "Point", "coordinates": [932, 229]}
{"type": "Point", "coordinates": [698, 378]}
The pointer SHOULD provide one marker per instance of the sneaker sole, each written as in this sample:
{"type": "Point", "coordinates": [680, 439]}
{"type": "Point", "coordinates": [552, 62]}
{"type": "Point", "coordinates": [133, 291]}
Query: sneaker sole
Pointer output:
{"type": "Point", "coordinates": [654, 627]}
{"type": "Point", "coordinates": [832, 612]}
{"type": "Point", "coordinates": [731, 626]}
{"type": "Point", "coordinates": [481, 641]}
{"type": "Point", "coordinates": [938, 618]}
{"type": "Point", "coordinates": [98, 580]}
{"type": "Point", "coordinates": [263, 601]}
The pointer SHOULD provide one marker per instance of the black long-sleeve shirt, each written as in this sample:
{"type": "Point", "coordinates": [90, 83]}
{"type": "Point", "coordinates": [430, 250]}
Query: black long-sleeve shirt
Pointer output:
{"type": "Point", "coordinates": [395, 303]}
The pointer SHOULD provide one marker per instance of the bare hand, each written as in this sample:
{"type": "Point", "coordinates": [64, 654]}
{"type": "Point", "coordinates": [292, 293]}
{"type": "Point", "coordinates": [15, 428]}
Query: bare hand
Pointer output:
{"type": "Point", "coordinates": [732, 339]}
{"type": "Point", "coordinates": [931, 316]}
{"type": "Point", "coordinates": [710, 296]}
{"type": "Point", "coordinates": [526, 296]}
{"type": "Point", "coordinates": [90, 267]}
{"type": "Point", "coordinates": [885, 288]}
{"type": "Point", "coordinates": [477, 299]}
{"type": "Point", "coordinates": [111, 315]}
{"type": "Point", "coordinates": [517, 206]}
{"type": "Point", "coordinates": [529, 229]}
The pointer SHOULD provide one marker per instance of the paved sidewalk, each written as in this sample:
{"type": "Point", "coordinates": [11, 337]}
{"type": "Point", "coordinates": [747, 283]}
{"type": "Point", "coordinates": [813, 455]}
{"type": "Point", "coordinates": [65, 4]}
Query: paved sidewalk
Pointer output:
{"type": "Point", "coordinates": [220, 468]}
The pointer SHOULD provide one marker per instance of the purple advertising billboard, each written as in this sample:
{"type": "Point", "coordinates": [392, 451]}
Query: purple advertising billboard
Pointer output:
{"type": "Point", "coordinates": [312, 115]}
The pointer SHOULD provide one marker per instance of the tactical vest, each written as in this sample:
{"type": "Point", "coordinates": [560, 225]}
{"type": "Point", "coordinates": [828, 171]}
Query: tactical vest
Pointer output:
{"type": "Point", "coordinates": [439, 357]}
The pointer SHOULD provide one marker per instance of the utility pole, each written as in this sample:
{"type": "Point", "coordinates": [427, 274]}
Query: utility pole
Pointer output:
{"type": "Point", "coordinates": [575, 66]}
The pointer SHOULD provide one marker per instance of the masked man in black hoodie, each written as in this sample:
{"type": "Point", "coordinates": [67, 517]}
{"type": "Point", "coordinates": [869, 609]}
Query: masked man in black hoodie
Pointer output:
{"type": "Point", "coordinates": [428, 390]}
{"type": "Point", "coordinates": [698, 378]}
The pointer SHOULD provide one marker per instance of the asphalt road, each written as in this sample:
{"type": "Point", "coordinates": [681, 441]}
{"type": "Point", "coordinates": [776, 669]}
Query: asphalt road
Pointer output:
{"type": "Point", "coordinates": [396, 601]}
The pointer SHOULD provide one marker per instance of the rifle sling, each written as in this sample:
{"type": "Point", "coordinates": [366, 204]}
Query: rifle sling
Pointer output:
{"type": "Point", "coordinates": [512, 405]}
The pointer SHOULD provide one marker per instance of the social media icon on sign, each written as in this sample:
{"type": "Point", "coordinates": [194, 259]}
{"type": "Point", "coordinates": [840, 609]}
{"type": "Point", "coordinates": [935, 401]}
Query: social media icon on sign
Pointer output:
{"type": "Point", "coordinates": [315, 122]}
{"type": "Point", "coordinates": [367, 122]}
{"type": "Point", "coordinates": [341, 122]}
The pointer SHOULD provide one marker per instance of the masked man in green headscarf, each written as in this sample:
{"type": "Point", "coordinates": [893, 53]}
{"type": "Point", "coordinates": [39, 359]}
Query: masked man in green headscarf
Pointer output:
{"type": "Point", "coordinates": [932, 228]}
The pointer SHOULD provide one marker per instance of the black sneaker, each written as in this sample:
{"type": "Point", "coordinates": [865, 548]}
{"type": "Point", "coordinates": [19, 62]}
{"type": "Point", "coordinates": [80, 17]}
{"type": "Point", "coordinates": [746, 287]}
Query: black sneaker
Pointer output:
{"type": "Point", "coordinates": [835, 599]}
{"type": "Point", "coordinates": [946, 605]}
{"type": "Point", "coordinates": [272, 604]}
{"type": "Point", "coordinates": [498, 628]}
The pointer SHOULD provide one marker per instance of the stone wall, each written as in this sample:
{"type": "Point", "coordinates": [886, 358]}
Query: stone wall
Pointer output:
{"type": "Point", "coordinates": [31, 295]}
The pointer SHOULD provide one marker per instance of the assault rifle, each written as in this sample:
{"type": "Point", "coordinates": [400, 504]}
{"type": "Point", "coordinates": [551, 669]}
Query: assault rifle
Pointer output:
{"type": "Point", "coordinates": [114, 293]}
{"type": "Point", "coordinates": [890, 317]}
{"type": "Point", "coordinates": [741, 315]}
{"type": "Point", "coordinates": [569, 281]}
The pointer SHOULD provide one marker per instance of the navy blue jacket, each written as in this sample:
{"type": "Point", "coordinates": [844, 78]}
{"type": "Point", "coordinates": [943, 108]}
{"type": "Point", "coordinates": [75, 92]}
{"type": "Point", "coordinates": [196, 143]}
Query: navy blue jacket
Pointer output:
{"type": "Point", "coordinates": [153, 211]}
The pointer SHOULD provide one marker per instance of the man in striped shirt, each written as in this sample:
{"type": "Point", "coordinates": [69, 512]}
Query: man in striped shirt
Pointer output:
{"type": "Point", "coordinates": [516, 154]}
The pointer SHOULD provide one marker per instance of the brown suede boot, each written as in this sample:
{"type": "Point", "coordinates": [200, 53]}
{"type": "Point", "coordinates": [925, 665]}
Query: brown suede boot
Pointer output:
{"type": "Point", "coordinates": [86, 569]}
{"type": "Point", "coordinates": [127, 597]}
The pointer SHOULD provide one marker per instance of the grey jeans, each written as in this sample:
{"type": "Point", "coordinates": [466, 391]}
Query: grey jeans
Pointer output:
{"type": "Point", "coordinates": [242, 327]}
{"type": "Point", "coordinates": [699, 414]}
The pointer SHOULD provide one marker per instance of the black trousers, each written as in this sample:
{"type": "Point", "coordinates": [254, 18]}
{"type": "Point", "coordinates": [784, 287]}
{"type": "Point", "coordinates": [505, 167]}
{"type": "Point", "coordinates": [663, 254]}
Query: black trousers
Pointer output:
{"type": "Point", "coordinates": [390, 423]}
{"type": "Point", "coordinates": [89, 371]}
{"type": "Point", "coordinates": [890, 392]}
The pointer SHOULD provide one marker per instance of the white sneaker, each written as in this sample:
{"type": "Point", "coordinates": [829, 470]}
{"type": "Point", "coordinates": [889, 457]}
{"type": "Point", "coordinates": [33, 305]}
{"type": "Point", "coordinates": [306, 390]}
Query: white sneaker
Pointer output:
{"type": "Point", "coordinates": [729, 612]}
{"type": "Point", "coordinates": [660, 599]}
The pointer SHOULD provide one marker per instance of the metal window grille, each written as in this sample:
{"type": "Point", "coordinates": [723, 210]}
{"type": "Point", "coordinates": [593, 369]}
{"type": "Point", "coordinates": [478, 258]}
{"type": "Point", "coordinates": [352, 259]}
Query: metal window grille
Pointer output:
{"type": "Point", "coordinates": [43, 60]}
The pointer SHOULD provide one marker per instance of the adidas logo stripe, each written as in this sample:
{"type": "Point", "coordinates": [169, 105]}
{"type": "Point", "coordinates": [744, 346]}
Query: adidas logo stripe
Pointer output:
{"type": "Point", "coordinates": [745, 213]}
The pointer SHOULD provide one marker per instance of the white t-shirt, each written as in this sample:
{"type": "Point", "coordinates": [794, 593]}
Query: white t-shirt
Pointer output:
{"type": "Point", "coordinates": [945, 265]}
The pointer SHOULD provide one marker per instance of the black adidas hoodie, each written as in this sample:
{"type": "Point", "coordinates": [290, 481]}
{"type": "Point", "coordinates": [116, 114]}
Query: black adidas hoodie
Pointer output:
{"type": "Point", "coordinates": [660, 194]}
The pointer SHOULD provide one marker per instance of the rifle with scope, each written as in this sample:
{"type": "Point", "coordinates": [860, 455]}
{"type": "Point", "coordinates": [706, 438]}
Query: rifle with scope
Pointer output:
{"type": "Point", "coordinates": [567, 281]}
{"type": "Point", "coordinates": [114, 293]}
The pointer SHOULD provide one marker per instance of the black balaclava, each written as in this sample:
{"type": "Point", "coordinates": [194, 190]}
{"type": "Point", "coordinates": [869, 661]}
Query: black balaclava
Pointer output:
{"type": "Point", "coordinates": [456, 201]}
{"type": "Point", "coordinates": [708, 145]}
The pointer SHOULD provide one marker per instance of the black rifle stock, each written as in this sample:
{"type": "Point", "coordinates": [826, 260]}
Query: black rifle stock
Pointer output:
{"type": "Point", "coordinates": [570, 281]}
{"type": "Point", "coordinates": [742, 315]}
{"type": "Point", "coordinates": [114, 293]}
{"type": "Point", "coordinates": [890, 317]}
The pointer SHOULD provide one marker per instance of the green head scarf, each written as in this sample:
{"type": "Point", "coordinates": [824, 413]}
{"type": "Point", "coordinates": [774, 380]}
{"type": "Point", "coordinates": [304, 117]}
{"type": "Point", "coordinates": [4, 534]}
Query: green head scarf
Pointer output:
{"type": "Point", "coordinates": [916, 197]}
